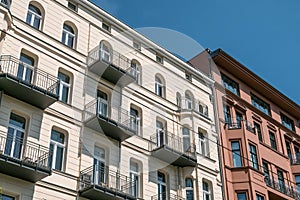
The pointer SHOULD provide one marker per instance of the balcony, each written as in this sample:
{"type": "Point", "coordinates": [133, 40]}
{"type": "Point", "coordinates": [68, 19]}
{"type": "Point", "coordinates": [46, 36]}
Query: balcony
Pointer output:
{"type": "Point", "coordinates": [100, 182]}
{"type": "Point", "coordinates": [113, 121]}
{"type": "Point", "coordinates": [27, 83]}
{"type": "Point", "coordinates": [171, 149]}
{"type": "Point", "coordinates": [283, 186]}
{"type": "Point", "coordinates": [23, 159]}
{"type": "Point", "coordinates": [112, 66]}
{"type": "Point", "coordinates": [188, 106]}
{"type": "Point", "coordinates": [232, 124]}
{"type": "Point", "coordinates": [5, 3]}
{"type": "Point", "coordinates": [165, 196]}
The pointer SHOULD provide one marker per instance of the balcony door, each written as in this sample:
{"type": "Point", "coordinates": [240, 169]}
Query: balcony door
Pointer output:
{"type": "Point", "coordinates": [160, 134]}
{"type": "Point", "coordinates": [25, 68]}
{"type": "Point", "coordinates": [162, 187]}
{"type": "Point", "coordinates": [186, 138]}
{"type": "Point", "coordinates": [99, 166]}
{"type": "Point", "coordinates": [105, 52]}
{"type": "Point", "coordinates": [102, 103]}
{"type": "Point", "coordinates": [15, 136]}
{"type": "Point", "coordinates": [134, 120]}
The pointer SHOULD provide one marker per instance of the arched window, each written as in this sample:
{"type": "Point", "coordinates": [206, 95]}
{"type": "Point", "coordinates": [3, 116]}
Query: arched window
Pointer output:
{"type": "Point", "coordinates": [26, 67]}
{"type": "Point", "coordinates": [34, 16]}
{"type": "Point", "coordinates": [68, 36]}
{"type": "Point", "coordinates": [188, 100]}
{"type": "Point", "coordinates": [135, 177]}
{"type": "Point", "coordinates": [99, 166]}
{"type": "Point", "coordinates": [57, 149]}
{"type": "Point", "coordinates": [159, 86]}
{"type": "Point", "coordinates": [15, 136]}
{"type": "Point", "coordinates": [135, 119]}
{"type": "Point", "coordinates": [135, 71]}
{"type": "Point", "coordinates": [186, 138]}
{"type": "Point", "coordinates": [5, 3]}
{"type": "Point", "coordinates": [189, 189]}
{"type": "Point", "coordinates": [105, 51]}
{"type": "Point", "coordinates": [102, 103]}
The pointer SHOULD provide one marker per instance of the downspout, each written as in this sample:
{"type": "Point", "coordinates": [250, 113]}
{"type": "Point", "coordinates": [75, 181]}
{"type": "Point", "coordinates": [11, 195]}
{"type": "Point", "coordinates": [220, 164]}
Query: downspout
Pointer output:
{"type": "Point", "coordinates": [214, 102]}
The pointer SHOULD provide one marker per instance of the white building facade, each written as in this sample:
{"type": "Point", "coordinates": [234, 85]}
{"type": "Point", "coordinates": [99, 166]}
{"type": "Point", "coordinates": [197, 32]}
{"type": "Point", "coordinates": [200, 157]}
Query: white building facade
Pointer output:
{"type": "Point", "coordinates": [91, 109]}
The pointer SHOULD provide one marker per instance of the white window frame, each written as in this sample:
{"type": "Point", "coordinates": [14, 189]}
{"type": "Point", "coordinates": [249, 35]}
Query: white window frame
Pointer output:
{"type": "Point", "coordinates": [63, 85]}
{"type": "Point", "coordinates": [188, 102]}
{"type": "Point", "coordinates": [159, 86]}
{"type": "Point", "coordinates": [69, 34]}
{"type": "Point", "coordinates": [105, 54]}
{"type": "Point", "coordinates": [186, 138]}
{"type": "Point", "coordinates": [160, 185]}
{"type": "Point", "coordinates": [54, 152]}
{"type": "Point", "coordinates": [34, 15]}
{"type": "Point", "coordinates": [160, 141]}
{"type": "Point", "coordinates": [100, 160]}
{"type": "Point", "coordinates": [135, 71]}
{"type": "Point", "coordinates": [207, 192]}
{"type": "Point", "coordinates": [202, 144]}
{"type": "Point", "coordinates": [133, 176]}
{"type": "Point", "coordinates": [190, 188]}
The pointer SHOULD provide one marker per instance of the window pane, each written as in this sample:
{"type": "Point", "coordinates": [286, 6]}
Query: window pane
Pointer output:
{"type": "Point", "coordinates": [230, 85]}
{"type": "Point", "coordinates": [59, 158]}
{"type": "Point", "coordinates": [260, 104]}
{"type": "Point", "coordinates": [57, 136]}
{"type": "Point", "coordinates": [236, 154]}
{"type": "Point", "coordinates": [242, 196]}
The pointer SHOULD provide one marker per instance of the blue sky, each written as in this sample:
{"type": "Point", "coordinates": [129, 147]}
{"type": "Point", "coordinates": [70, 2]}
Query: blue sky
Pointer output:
{"type": "Point", "coordinates": [264, 35]}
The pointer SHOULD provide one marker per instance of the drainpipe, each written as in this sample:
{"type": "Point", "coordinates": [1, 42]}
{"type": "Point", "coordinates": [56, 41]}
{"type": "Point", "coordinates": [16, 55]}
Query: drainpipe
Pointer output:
{"type": "Point", "coordinates": [217, 126]}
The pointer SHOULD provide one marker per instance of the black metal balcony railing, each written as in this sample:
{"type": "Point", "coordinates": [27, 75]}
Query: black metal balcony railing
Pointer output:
{"type": "Point", "coordinates": [174, 142]}
{"type": "Point", "coordinates": [236, 124]}
{"type": "Point", "coordinates": [105, 179]}
{"type": "Point", "coordinates": [113, 57]}
{"type": "Point", "coordinates": [24, 151]}
{"type": "Point", "coordinates": [5, 3]}
{"type": "Point", "coordinates": [283, 186]}
{"type": "Point", "coordinates": [23, 159]}
{"type": "Point", "coordinates": [28, 74]}
{"type": "Point", "coordinates": [165, 196]}
{"type": "Point", "coordinates": [295, 159]}
{"type": "Point", "coordinates": [104, 109]}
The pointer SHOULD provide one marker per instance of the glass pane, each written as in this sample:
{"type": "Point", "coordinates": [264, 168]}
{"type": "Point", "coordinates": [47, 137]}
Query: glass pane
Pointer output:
{"type": "Point", "coordinates": [18, 144]}
{"type": "Point", "coordinates": [9, 141]}
{"type": "Point", "coordinates": [17, 120]}
{"type": "Point", "coordinates": [242, 196]}
{"type": "Point", "coordinates": [59, 158]}
{"type": "Point", "coordinates": [51, 149]}
{"type": "Point", "coordinates": [189, 195]}
{"type": "Point", "coordinates": [57, 136]}
{"type": "Point", "coordinates": [28, 18]}
{"type": "Point", "coordinates": [36, 22]}
{"type": "Point", "coordinates": [65, 94]}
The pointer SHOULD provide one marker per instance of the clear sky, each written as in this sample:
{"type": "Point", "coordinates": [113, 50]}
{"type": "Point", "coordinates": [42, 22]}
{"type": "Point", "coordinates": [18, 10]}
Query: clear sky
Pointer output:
{"type": "Point", "coordinates": [264, 35]}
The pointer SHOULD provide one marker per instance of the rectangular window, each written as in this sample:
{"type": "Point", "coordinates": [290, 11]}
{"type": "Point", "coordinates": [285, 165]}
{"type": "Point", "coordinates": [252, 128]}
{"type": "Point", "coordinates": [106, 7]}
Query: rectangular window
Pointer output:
{"type": "Point", "coordinates": [105, 26]}
{"type": "Point", "coordinates": [260, 104]}
{"type": "Point", "coordinates": [259, 197]}
{"type": "Point", "coordinates": [242, 196]}
{"type": "Point", "coordinates": [288, 150]}
{"type": "Point", "coordinates": [64, 87]}
{"type": "Point", "coordinates": [202, 144]}
{"type": "Point", "coordinates": [230, 85]}
{"type": "Point", "coordinates": [258, 131]}
{"type": "Point", "coordinates": [137, 45]}
{"type": "Point", "coordinates": [281, 181]}
{"type": "Point", "coordinates": [72, 6]}
{"type": "Point", "coordinates": [272, 140]}
{"type": "Point", "coordinates": [188, 76]}
{"type": "Point", "coordinates": [134, 175]}
{"type": "Point", "coordinates": [297, 178]}
{"type": "Point", "coordinates": [227, 115]}
{"type": "Point", "coordinates": [159, 59]}
{"type": "Point", "coordinates": [236, 154]}
{"type": "Point", "coordinates": [287, 122]}
{"type": "Point", "coordinates": [266, 173]}
{"type": "Point", "coordinates": [239, 119]}
{"type": "Point", "coordinates": [57, 149]}
{"type": "Point", "coordinates": [253, 156]}
{"type": "Point", "coordinates": [6, 197]}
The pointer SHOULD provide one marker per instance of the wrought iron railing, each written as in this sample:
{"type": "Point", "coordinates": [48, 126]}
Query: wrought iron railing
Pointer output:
{"type": "Point", "coordinates": [295, 159]}
{"type": "Point", "coordinates": [5, 3]}
{"type": "Point", "coordinates": [28, 74]}
{"type": "Point", "coordinates": [236, 124]}
{"type": "Point", "coordinates": [172, 141]}
{"type": "Point", "coordinates": [105, 109]}
{"type": "Point", "coordinates": [283, 186]}
{"type": "Point", "coordinates": [166, 196]}
{"type": "Point", "coordinates": [103, 176]}
{"type": "Point", "coordinates": [112, 57]}
{"type": "Point", "coordinates": [25, 151]}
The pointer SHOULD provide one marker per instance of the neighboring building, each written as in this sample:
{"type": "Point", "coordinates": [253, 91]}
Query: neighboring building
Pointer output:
{"type": "Point", "coordinates": [90, 109]}
{"type": "Point", "coordinates": [258, 129]}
